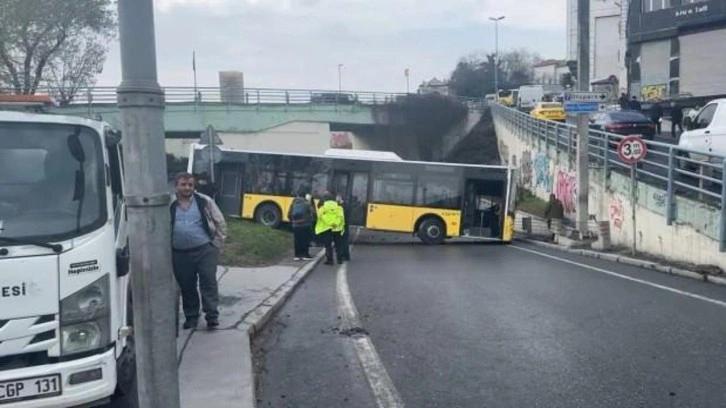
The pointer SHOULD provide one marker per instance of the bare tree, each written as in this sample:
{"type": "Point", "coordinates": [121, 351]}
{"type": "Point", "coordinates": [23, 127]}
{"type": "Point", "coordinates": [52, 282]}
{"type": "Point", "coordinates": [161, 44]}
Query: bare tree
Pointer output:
{"type": "Point", "coordinates": [474, 75]}
{"type": "Point", "coordinates": [37, 36]}
{"type": "Point", "coordinates": [76, 67]}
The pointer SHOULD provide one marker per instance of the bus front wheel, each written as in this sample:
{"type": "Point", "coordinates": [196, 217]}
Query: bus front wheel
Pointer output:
{"type": "Point", "coordinates": [269, 215]}
{"type": "Point", "coordinates": [432, 231]}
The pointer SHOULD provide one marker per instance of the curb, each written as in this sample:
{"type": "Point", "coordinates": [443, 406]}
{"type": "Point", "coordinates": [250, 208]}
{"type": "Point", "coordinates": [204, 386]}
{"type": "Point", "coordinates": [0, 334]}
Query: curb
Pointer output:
{"type": "Point", "coordinates": [259, 316]}
{"type": "Point", "coordinates": [262, 314]}
{"type": "Point", "coordinates": [639, 263]}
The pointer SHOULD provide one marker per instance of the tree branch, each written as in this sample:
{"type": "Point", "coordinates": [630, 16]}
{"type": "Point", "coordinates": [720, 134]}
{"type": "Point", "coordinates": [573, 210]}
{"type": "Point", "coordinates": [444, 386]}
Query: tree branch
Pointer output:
{"type": "Point", "coordinates": [10, 67]}
{"type": "Point", "coordinates": [44, 60]}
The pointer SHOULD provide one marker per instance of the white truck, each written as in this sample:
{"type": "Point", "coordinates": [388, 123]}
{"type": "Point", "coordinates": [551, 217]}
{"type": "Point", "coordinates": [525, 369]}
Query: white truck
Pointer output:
{"type": "Point", "coordinates": [66, 336]}
{"type": "Point", "coordinates": [530, 95]}
{"type": "Point", "coordinates": [707, 131]}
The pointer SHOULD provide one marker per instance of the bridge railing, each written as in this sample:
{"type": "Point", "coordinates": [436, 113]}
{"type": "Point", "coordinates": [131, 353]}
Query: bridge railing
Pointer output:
{"type": "Point", "coordinates": [693, 174]}
{"type": "Point", "coordinates": [250, 96]}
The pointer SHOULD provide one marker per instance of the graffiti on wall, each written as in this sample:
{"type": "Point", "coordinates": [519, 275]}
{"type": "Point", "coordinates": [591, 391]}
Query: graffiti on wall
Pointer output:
{"type": "Point", "coordinates": [653, 93]}
{"type": "Point", "coordinates": [566, 190]}
{"type": "Point", "coordinates": [525, 171]}
{"type": "Point", "coordinates": [659, 199]}
{"type": "Point", "coordinates": [542, 171]}
{"type": "Point", "coordinates": [616, 212]}
{"type": "Point", "coordinates": [504, 152]}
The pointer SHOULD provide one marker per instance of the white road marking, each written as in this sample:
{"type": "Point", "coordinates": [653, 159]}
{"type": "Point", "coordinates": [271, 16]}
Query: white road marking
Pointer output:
{"type": "Point", "coordinates": [384, 391]}
{"type": "Point", "coordinates": [626, 277]}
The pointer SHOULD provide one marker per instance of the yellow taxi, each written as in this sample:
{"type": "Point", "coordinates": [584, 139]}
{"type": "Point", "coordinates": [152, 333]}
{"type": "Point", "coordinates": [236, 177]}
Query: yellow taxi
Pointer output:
{"type": "Point", "coordinates": [549, 111]}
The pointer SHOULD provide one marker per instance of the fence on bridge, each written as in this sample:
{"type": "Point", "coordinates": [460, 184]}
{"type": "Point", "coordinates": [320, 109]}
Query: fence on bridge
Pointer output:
{"type": "Point", "coordinates": [250, 96]}
{"type": "Point", "coordinates": [681, 172]}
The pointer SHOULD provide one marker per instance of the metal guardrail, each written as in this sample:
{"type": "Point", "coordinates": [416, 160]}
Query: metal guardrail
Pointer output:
{"type": "Point", "coordinates": [680, 172]}
{"type": "Point", "coordinates": [252, 96]}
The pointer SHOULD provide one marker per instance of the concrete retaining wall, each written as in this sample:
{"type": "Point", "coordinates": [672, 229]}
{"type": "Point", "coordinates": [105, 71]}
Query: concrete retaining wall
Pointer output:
{"type": "Point", "coordinates": [543, 170]}
{"type": "Point", "coordinates": [293, 137]}
{"type": "Point", "coordinates": [454, 136]}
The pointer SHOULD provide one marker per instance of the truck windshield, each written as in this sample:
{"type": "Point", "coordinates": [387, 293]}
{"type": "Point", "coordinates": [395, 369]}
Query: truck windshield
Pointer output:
{"type": "Point", "coordinates": [51, 181]}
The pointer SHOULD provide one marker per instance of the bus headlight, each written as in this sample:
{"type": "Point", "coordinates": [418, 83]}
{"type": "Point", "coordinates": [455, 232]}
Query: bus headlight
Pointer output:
{"type": "Point", "coordinates": [84, 318]}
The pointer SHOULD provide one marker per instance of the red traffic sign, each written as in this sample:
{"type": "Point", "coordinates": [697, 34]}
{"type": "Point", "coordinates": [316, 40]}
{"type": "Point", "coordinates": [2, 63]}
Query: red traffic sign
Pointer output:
{"type": "Point", "coordinates": [632, 149]}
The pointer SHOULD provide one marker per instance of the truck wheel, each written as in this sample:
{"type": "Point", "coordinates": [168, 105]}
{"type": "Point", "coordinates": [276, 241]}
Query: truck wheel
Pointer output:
{"type": "Point", "coordinates": [269, 215]}
{"type": "Point", "coordinates": [432, 231]}
{"type": "Point", "coordinates": [126, 363]}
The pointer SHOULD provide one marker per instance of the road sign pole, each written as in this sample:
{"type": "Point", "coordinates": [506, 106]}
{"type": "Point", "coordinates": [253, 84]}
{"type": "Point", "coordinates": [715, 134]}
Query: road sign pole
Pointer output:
{"type": "Point", "coordinates": [633, 202]}
{"type": "Point", "coordinates": [211, 148]}
{"type": "Point", "coordinates": [146, 194]}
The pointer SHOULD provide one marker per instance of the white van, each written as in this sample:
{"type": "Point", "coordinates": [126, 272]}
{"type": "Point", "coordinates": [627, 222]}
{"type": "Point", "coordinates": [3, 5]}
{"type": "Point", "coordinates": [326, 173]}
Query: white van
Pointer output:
{"type": "Point", "coordinates": [530, 96]}
{"type": "Point", "coordinates": [707, 131]}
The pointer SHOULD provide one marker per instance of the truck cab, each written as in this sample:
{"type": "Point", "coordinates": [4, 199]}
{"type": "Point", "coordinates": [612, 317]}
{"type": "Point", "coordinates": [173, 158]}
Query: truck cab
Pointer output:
{"type": "Point", "coordinates": [707, 131]}
{"type": "Point", "coordinates": [66, 335]}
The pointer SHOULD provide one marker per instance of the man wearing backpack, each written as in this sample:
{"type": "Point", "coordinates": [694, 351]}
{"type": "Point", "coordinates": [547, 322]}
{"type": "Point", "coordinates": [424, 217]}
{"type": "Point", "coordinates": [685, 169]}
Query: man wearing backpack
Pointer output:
{"type": "Point", "coordinates": [302, 217]}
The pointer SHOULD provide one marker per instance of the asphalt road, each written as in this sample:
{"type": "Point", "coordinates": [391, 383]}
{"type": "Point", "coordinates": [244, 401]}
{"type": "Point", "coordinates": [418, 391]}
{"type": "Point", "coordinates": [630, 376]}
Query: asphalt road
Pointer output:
{"type": "Point", "coordinates": [497, 326]}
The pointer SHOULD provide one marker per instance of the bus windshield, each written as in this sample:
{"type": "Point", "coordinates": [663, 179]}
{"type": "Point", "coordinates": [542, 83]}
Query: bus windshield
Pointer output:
{"type": "Point", "coordinates": [48, 193]}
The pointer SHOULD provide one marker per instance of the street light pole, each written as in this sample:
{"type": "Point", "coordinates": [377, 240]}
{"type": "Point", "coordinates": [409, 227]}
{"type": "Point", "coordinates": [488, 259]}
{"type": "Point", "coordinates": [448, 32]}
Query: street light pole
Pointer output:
{"type": "Point", "coordinates": [340, 78]}
{"type": "Point", "coordinates": [496, 21]}
{"type": "Point", "coordinates": [146, 195]}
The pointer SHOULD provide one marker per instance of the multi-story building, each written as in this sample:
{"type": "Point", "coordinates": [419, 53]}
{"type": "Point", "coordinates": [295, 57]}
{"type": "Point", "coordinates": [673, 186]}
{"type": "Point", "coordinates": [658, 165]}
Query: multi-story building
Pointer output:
{"type": "Point", "coordinates": [550, 71]}
{"type": "Point", "coordinates": [607, 38]}
{"type": "Point", "coordinates": [676, 49]}
{"type": "Point", "coordinates": [435, 86]}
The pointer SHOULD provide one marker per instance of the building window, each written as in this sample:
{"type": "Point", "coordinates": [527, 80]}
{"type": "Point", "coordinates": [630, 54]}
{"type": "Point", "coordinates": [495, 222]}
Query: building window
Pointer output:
{"type": "Point", "coordinates": [655, 5]}
{"type": "Point", "coordinates": [675, 47]}
{"type": "Point", "coordinates": [674, 87]}
{"type": "Point", "coordinates": [675, 68]}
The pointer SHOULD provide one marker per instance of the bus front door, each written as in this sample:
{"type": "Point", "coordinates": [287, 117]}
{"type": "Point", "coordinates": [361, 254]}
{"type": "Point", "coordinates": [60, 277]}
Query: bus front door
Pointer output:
{"type": "Point", "coordinates": [483, 209]}
{"type": "Point", "coordinates": [353, 187]}
{"type": "Point", "coordinates": [229, 193]}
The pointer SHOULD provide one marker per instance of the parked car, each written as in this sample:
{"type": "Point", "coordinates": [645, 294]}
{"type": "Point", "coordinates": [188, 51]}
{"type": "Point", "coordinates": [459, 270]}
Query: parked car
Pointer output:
{"type": "Point", "coordinates": [623, 123]}
{"type": "Point", "coordinates": [549, 111]}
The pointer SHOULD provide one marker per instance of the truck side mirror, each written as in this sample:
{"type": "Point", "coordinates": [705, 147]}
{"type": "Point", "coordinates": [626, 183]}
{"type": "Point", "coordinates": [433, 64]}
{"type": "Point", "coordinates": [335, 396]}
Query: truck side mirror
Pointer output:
{"type": "Point", "coordinates": [122, 261]}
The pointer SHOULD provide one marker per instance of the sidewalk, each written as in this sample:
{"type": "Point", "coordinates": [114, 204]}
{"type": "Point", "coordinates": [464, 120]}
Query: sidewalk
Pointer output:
{"type": "Point", "coordinates": [215, 368]}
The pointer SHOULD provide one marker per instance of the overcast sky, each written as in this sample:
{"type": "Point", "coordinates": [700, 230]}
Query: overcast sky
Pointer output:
{"type": "Point", "coordinates": [299, 43]}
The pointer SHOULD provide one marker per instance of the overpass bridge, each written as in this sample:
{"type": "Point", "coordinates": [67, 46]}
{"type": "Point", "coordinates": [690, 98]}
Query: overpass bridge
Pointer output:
{"type": "Point", "coordinates": [301, 120]}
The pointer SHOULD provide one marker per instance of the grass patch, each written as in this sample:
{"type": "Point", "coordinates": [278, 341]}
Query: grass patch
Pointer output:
{"type": "Point", "coordinates": [250, 244]}
{"type": "Point", "coordinates": [531, 204]}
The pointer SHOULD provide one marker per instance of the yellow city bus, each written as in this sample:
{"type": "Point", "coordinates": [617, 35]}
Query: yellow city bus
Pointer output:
{"type": "Point", "coordinates": [434, 201]}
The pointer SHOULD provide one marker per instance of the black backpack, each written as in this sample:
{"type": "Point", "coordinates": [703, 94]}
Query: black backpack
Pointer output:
{"type": "Point", "coordinates": [300, 210]}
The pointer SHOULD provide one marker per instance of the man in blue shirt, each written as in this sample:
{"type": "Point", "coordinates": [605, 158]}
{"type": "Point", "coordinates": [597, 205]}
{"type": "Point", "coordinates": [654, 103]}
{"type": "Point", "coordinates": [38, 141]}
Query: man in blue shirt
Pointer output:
{"type": "Point", "coordinates": [198, 234]}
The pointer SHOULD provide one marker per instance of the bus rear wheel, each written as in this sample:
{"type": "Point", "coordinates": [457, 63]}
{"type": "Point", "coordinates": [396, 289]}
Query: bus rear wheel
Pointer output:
{"type": "Point", "coordinates": [269, 215]}
{"type": "Point", "coordinates": [432, 231]}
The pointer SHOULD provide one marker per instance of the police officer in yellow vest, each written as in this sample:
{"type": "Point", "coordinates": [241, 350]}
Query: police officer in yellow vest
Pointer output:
{"type": "Point", "coordinates": [329, 227]}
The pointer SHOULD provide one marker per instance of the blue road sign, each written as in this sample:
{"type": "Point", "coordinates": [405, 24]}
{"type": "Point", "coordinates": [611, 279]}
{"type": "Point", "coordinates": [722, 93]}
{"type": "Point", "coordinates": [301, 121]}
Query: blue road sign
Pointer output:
{"type": "Point", "coordinates": [581, 107]}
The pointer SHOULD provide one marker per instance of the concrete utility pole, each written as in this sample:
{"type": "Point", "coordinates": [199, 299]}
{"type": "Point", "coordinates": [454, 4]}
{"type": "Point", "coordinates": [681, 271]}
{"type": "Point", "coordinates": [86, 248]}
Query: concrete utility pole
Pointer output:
{"type": "Point", "coordinates": [583, 45]}
{"type": "Point", "coordinates": [583, 174]}
{"type": "Point", "coordinates": [141, 102]}
{"type": "Point", "coordinates": [496, 21]}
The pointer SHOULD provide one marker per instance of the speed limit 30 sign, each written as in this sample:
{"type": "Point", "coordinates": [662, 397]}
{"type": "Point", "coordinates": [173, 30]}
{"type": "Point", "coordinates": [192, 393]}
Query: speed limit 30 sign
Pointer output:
{"type": "Point", "coordinates": [632, 149]}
